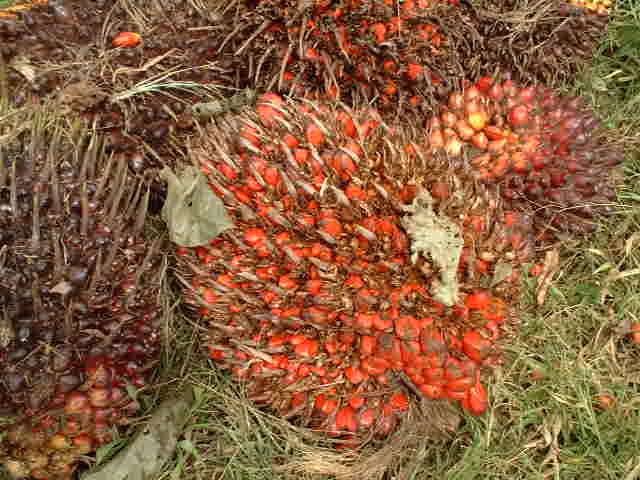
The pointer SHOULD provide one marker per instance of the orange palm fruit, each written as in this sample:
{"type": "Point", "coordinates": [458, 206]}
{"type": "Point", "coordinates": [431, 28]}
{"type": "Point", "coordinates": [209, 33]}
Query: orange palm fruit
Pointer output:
{"type": "Point", "coordinates": [126, 39]}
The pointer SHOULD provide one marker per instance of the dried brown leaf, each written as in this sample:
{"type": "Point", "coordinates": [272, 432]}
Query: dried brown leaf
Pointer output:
{"type": "Point", "coordinates": [549, 269]}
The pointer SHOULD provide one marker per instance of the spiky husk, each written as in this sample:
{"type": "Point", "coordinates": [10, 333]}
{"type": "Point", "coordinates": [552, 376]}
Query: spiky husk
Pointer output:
{"type": "Point", "coordinates": [79, 285]}
{"type": "Point", "coordinates": [539, 41]}
{"type": "Point", "coordinates": [536, 146]}
{"type": "Point", "coordinates": [313, 298]}
{"type": "Point", "coordinates": [396, 56]}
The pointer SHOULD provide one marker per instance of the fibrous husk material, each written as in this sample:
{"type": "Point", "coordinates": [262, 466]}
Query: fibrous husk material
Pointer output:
{"type": "Point", "coordinates": [537, 40]}
{"type": "Point", "coordinates": [79, 292]}
{"type": "Point", "coordinates": [397, 57]}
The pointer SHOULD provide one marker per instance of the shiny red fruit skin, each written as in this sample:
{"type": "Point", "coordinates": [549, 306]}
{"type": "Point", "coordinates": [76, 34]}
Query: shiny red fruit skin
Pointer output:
{"type": "Point", "coordinates": [519, 115]}
{"type": "Point", "coordinates": [475, 346]}
{"type": "Point", "coordinates": [126, 39]}
{"type": "Point", "coordinates": [477, 399]}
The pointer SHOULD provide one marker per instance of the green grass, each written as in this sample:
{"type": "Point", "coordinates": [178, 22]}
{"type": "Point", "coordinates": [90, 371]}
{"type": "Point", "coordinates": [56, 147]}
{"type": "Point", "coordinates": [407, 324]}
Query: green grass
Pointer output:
{"type": "Point", "coordinates": [6, 3]}
{"type": "Point", "coordinates": [544, 421]}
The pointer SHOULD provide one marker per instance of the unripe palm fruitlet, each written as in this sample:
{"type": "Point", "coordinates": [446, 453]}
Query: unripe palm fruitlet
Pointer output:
{"type": "Point", "coordinates": [547, 42]}
{"type": "Point", "coordinates": [79, 289]}
{"type": "Point", "coordinates": [336, 297]}
{"type": "Point", "coordinates": [535, 146]}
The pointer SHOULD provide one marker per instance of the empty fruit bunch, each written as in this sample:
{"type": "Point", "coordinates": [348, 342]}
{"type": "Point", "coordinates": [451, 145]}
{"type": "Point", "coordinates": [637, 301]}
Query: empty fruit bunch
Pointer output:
{"type": "Point", "coordinates": [354, 50]}
{"type": "Point", "coordinates": [537, 147]}
{"type": "Point", "coordinates": [79, 285]}
{"type": "Point", "coordinates": [350, 287]}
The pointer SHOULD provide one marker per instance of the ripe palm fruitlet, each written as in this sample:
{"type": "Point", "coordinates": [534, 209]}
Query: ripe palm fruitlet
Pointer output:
{"type": "Point", "coordinates": [600, 7]}
{"type": "Point", "coordinates": [79, 287]}
{"type": "Point", "coordinates": [353, 284]}
{"type": "Point", "coordinates": [392, 53]}
{"type": "Point", "coordinates": [535, 146]}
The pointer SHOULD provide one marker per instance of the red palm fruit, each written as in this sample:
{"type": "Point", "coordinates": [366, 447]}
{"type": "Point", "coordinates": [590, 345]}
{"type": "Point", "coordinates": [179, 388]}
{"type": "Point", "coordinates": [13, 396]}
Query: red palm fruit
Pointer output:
{"type": "Point", "coordinates": [478, 402]}
{"type": "Point", "coordinates": [314, 135]}
{"type": "Point", "coordinates": [634, 333]}
{"type": "Point", "coordinates": [479, 300]}
{"type": "Point", "coordinates": [475, 346]}
{"type": "Point", "coordinates": [358, 401]}
{"type": "Point", "coordinates": [268, 113]}
{"type": "Point", "coordinates": [399, 401]}
{"type": "Point", "coordinates": [432, 391]}
{"type": "Point", "coordinates": [460, 384]}
{"type": "Point", "coordinates": [367, 345]}
{"type": "Point", "coordinates": [346, 419]}
{"type": "Point", "coordinates": [126, 39]}
{"type": "Point", "coordinates": [434, 375]}
{"type": "Point", "coordinates": [519, 116]}
{"type": "Point", "coordinates": [355, 375]}
{"type": "Point", "coordinates": [531, 137]}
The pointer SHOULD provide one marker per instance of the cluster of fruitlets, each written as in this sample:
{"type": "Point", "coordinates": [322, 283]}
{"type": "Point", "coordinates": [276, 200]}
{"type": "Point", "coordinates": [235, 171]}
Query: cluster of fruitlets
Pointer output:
{"type": "Point", "coordinates": [537, 146]}
{"type": "Point", "coordinates": [314, 298]}
{"type": "Point", "coordinates": [601, 7]}
{"type": "Point", "coordinates": [358, 49]}
{"type": "Point", "coordinates": [79, 286]}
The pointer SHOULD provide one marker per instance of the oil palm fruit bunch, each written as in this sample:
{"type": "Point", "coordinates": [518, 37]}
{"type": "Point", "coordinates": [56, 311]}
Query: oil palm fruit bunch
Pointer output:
{"type": "Point", "coordinates": [79, 287]}
{"type": "Point", "coordinates": [535, 146]}
{"type": "Point", "coordinates": [355, 281]}
{"type": "Point", "coordinates": [546, 42]}
{"type": "Point", "coordinates": [36, 33]}
{"type": "Point", "coordinates": [355, 50]}
{"type": "Point", "coordinates": [600, 7]}
{"type": "Point", "coordinates": [11, 11]}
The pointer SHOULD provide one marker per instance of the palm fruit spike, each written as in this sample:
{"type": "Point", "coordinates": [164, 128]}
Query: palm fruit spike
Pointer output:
{"type": "Point", "coordinates": [358, 50]}
{"type": "Point", "coordinates": [79, 286]}
{"type": "Point", "coordinates": [539, 148]}
{"type": "Point", "coordinates": [547, 42]}
{"type": "Point", "coordinates": [314, 299]}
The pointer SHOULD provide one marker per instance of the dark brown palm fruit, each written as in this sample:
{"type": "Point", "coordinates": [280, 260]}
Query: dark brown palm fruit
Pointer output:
{"type": "Point", "coordinates": [43, 32]}
{"type": "Point", "coordinates": [539, 148]}
{"type": "Point", "coordinates": [547, 42]}
{"type": "Point", "coordinates": [394, 54]}
{"type": "Point", "coordinates": [79, 288]}
{"type": "Point", "coordinates": [63, 49]}
{"type": "Point", "coordinates": [318, 298]}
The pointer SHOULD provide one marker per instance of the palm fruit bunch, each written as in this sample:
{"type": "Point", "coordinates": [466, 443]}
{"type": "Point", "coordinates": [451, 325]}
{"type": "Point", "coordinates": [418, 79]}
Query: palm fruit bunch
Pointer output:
{"type": "Point", "coordinates": [10, 12]}
{"type": "Point", "coordinates": [36, 33]}
{"type": "Point", "coordinates": [538, 148]}
{"type": "Point", "coordinates": [364, 273]}
{"type": "Point", "coordinates": [546, 42]}
{"type": "Point", "coordinates": [600, 7]}
{"type": "Point", "coordinates": [392, 53]}
{"type": "Point", "coordinates": [79, 288]}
